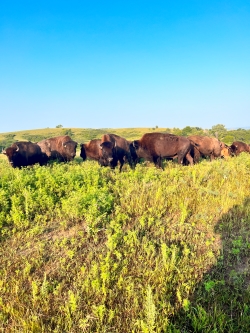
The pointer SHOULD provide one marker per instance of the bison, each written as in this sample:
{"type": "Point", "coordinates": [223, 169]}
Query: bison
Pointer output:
{"type": "Point", "coordinates": [204, 146]}
{"type": "Point", "coordinates": [156, 146]}
{"type": "Point", "coordinates": [226, 150]}
{"type": "Point", "coordinates": [61, 148]}
{"type": "Point", "coordinates": [238, 147]}
{"type": "Point", "coordinates": [24, 153]}
{"type": "Point", "coordinates": [115, 148]}
{"type": "Point", "coordinates": [92, 150]}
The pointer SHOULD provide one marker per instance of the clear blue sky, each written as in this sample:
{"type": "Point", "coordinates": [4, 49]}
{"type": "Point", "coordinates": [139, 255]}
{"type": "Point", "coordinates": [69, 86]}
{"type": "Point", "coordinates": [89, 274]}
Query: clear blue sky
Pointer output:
{"type": "Point", "coordinates": [99, 64]}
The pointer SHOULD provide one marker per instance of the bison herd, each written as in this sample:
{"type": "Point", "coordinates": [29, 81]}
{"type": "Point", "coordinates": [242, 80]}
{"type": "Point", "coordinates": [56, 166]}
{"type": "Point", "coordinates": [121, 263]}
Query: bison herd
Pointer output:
{"type": "Point", "coordinates": [111, 149]}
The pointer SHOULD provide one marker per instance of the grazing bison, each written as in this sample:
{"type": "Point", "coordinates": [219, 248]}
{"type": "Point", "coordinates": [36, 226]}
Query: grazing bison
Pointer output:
{"type": "Point", "coordinates": [92, 150]}
{"type": "Point", "coordinates": [156, 146]}
{"type": "Point", "coordinates": [238, 147]}
{"type": "Point", "coordinates": [60, 148]}
{"type": "Point", "coordinates": [115, 148]}
{"type": "Point", "coordinates": [204, 146]}
{"type": "Point", "coordinates": [226, 151]}
{"type": "Point", "coordinates": [24, 153]}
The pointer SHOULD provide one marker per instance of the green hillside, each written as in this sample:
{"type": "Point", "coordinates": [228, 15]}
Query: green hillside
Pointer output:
{"type": "Point", "coordinates": [89, 249]}
{"type": "Point", "coordinates": [82, 135]}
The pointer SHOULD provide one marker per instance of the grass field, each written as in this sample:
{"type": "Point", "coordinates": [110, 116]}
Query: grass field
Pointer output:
{"type": "Point", "coordinates": [89, 249]}
{"type": "Point", "coordinates": [80, 135]}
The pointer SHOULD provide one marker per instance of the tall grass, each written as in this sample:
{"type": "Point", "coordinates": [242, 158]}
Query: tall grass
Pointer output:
{"type": "Point", "coordinates": [89, 249]}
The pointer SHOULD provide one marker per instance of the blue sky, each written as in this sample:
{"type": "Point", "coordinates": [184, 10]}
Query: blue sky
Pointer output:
{"type": "Point", "coordinates": [112, 64]}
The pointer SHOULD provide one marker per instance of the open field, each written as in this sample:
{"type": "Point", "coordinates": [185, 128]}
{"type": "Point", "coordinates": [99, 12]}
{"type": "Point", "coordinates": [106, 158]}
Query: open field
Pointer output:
{"type": "Point", "coordinates": [89, 249]}
{"type": "Point", "coordinates": [83, 135]}
{"type": "Point", "coordinates": [80, 135]}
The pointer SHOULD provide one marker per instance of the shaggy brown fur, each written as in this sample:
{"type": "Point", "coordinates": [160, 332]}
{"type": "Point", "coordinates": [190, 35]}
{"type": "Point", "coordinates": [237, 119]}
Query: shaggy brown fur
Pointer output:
{"type": "Point", "coordinates": [24, 153]}
{"type": "Point", "coordinates": [239, 147]}
{"type": "Point", "coordinates": [61, 148]}
{"type": "Point", "coordinates": [115, 148]}
{"type": "Point", "coordinates": [226, 151]}
{"type": "Point", "coordinates": [204, 146]}
{"type": "Point", "coordinates": [156, 146]}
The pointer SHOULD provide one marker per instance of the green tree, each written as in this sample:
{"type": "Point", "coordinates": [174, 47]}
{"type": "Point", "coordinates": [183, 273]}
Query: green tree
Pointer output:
{"type": "Point", "coordinates": [186, 131]}
{"type": "Point", "coordinates": [67, 131]}
{"type": "Point", "coordinates": [218, 130]}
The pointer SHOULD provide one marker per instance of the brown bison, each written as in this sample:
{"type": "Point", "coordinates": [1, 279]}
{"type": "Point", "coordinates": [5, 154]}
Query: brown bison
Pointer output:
{"type": "Point", "coordinates": [238, 147]}
{"type": "Point", "coordinates": [204, 146]}
{"type": "Point", "coordinates": [92, 150]}
{"type": "Point", "coordinates": [226, 150]}
{"type": "Point", "coordinates": [154, 147]}
{"type": "Point", "coordinates": [115, 148]}
{"type": "Point", "coordinates": [25, 153]}
{"type": "Point", "coordinates": [60, 148]}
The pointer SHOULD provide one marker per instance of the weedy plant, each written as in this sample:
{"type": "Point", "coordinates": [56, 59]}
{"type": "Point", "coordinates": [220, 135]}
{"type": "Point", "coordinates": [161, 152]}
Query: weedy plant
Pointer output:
{"type": "Point", "coordinates": [89, 249]}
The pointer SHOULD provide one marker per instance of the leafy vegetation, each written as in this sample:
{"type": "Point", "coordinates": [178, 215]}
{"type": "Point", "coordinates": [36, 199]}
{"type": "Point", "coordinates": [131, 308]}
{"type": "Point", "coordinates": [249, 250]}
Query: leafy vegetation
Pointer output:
{"type": "Point", "coordinates": [89, 249]}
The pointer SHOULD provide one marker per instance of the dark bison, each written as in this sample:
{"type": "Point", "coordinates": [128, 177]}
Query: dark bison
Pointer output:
{"type": "Point", "coordinates": [156, 146]}
{"type": "Point", "coordinates": [61, 148]}
{"type": "Point", "coordinates": [115, 148]}
{"type": "Point", "coordinates": [203, 146]}
{"type": "Point", "coordinates": [92, 150]}
{"type": "Point", "coordinates": [238, 147]}
{"type": "Point", "coordinates": [24, 153]}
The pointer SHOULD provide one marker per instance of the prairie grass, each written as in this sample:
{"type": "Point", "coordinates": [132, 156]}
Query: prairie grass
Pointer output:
{"type": "Point", "coordinates": [89, 249]}
{"type": "Point", "coordinates": [80, 135]}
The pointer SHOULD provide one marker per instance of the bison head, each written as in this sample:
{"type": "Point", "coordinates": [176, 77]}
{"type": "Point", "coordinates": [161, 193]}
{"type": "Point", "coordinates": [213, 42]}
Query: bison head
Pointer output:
{"type": "Point", "coordinates": [69, 150]}
{"type": "Point", "coordinates": [226, 152]}
{"type": "Point", "coordinates": [234, 149]}
{"type": "Point", "coordinates": [135, 144]}
{"type": "Point", "coordinates": [108, 151]}
{"type": "Point", "coordinates": [12, 154]}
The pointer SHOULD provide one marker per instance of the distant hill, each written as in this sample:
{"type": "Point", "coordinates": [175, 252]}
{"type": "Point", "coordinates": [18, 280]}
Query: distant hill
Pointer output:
{"type": "Point", "coordinates": [80, 135]}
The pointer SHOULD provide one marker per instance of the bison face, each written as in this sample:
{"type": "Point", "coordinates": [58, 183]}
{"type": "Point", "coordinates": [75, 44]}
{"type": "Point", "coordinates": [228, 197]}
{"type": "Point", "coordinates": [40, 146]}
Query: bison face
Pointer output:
{"type": "Point", "coordinates": [107, 149]}
{"type": "Point", "coordinates": [133, 153]}
{"type": "Point", "coordinates": [135, 144]}
{"type": "Point", "coordinates": [234, 149]}
{"type": "Point", "coordinates": [69, 150]}
{"type": "Point", "coordinates": [12, 154]}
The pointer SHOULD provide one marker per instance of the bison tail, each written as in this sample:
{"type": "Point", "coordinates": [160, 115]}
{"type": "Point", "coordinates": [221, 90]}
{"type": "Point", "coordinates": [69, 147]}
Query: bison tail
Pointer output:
{"type": "Point", "coordinates": [194, 143]}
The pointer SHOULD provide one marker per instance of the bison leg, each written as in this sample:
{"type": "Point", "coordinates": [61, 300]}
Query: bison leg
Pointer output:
{"type": "Point", "coordinates": [158, 162]}
{"type": "Point", "coordinates": [212, 157]}
{"type": "Point", "coordinates": [189, 158]}
{"type": "Point", "coordinates": [197, 155]}
{"type": "Point", "coordinates": [130, 160]}
{"type": "Point", "coordinates": [180, 159]}
{"type": "Point", "coordinates": [121, 160]}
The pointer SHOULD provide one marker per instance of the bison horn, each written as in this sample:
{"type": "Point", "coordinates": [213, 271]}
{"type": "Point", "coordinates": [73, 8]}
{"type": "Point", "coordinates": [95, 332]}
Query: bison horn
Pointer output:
{"type": "Point", "coordinates": [17, 148]}
{"type": "Point", "coordinates": [4, 151]}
